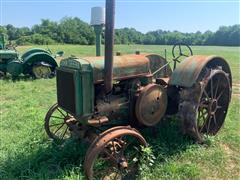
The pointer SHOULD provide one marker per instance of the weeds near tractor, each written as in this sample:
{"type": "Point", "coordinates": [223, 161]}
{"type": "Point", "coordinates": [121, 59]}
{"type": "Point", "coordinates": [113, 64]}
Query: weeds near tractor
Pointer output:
{"type": "Point", "coordinates": [26, 152]}
{"type": "Point", "coordinates": [147, 161]}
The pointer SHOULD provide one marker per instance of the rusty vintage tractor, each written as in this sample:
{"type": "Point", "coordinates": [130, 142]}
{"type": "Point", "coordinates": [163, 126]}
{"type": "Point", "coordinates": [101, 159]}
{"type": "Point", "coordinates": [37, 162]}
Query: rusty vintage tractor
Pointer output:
{"type": "Point", "coordinates": [106, 101]}
{"type": "Point", "coordinates": [36, 62]}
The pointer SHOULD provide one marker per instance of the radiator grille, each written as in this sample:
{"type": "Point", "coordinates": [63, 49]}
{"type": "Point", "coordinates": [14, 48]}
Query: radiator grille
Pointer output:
{"type": "Point", "coordinates": [66, 91]}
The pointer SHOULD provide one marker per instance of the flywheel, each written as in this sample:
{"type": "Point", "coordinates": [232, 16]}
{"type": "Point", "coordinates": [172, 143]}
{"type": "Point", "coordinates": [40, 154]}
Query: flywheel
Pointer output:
{"type": "Point", "coordinates": [151, 105]}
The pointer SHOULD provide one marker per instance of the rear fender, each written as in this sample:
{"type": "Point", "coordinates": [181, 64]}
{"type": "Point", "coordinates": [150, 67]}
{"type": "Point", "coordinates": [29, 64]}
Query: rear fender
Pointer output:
{"type": "Point", "coordinates": [188, 71]}
{"type": "Point", "coordinates": [36, 58]}
{"type": "Point", "coordinates": [32, 51]}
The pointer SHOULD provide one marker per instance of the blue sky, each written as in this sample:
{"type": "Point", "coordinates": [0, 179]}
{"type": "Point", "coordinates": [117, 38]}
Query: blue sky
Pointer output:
{"type": "Point", "coordinates": [144, 15]}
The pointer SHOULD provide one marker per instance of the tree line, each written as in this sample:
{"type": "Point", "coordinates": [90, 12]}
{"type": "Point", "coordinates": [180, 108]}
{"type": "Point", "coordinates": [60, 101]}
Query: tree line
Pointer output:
{"type": "Point", "coordinates": [72, 30]}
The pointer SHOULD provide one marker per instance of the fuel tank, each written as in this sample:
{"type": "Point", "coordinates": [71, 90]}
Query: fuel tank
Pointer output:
{"type": "Point", "coordinates": [124, 67]}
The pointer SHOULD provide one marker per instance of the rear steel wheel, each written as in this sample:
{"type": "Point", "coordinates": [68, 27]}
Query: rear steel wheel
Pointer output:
{"type": "Point", "coordinates": [114, 154]}
{"type": "Point", "coordinates": [204, 106]}
{"type": "Point", "coordinates": [57, 123]}
{"type": "Point", "coordinates": [40, 71]}
{"type": "Point", "coordinates": [214, 102]}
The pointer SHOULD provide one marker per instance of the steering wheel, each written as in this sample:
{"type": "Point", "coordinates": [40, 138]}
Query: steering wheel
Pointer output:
{"type": "Point", "coordinates": [180, 50]}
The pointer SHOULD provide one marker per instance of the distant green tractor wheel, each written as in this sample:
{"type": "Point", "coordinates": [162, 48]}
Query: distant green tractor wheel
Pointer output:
{"type": "Point", "coordinates": [41, 71]}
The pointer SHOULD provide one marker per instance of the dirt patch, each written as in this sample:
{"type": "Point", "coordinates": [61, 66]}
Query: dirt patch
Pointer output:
{"type": "Point", "coordinates": [231, 165]}
{"type": "Point", "coordinates": [237, 95]}
{"type": "Point", "coordinates": [236, 89]}
{"type": "Point", "coordinates": [226, 148]}
{"type": "Point", "coordinates": [236, 85]}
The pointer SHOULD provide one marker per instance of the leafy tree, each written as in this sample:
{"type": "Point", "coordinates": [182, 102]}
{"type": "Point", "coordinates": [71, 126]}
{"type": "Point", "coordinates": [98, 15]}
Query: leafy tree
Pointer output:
{"type": "Point", "coordinates": [12, 32]}
{"type": "Point", "coordinates": [48, 28]}
{"type": "Point", "coordinates": [35, 39]}
{"type": "Point", "coordinates": [149, 38]}
{"type": "Point", "coordinates": [75, 31]}
{"type": "Point", "coordinates": [3, 30]}
{"type": "Point", "coordinates": [72, 30]}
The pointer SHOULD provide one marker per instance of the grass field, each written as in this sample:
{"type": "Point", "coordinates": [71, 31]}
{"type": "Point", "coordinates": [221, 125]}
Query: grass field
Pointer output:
{"type": "Point", "coordinates": [26, 152]}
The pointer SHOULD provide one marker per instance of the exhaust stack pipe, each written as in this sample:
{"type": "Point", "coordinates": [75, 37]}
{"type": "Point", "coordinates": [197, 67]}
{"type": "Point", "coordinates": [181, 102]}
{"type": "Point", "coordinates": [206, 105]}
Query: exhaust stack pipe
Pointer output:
{"type": "Point", "coordinates": [109, 43]}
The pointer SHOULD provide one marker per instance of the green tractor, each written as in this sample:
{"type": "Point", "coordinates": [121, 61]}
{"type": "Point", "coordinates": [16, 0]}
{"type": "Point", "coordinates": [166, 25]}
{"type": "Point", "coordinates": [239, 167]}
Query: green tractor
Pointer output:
{"type": "Point", "coordinates": [36, 62]}
{"type": "Point", "coordinates": [108, 100]}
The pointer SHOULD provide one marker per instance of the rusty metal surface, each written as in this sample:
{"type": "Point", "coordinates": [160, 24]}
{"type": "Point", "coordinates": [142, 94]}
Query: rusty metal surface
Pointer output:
{"type": "Point", "coordinates": [109, 43]}
{"type": "Point", "coordinates": [99, 121]}
{"type": "Point", "coordinates": [187, 72]}
{"type": "Point", "coordinates": [129, 66]}
{"type": "Point", "coordinates": [157, 62]}
{"type": "Point", "coordinates": [114, 103]}
{"type": "Point", "coordinates": [124, 67]}
{"type": "Point", "coordinates": [111, 143]}
{"type": "Point", "coordinates": [151, 104]}
{"type": "Point", "coordinates": [204, 106]}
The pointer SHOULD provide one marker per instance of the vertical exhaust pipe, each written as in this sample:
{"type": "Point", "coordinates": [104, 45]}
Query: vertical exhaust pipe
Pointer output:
{"type": "Point", "coordinates": [109, 43]}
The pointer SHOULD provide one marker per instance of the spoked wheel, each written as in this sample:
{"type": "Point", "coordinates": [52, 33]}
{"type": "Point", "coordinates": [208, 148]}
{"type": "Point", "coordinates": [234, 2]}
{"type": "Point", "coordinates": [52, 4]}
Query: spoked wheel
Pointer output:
{"type": "Point", "coordinates": [114, 154]}
{"type": "Point", "coordinates": [204, 107]}
{"type": "Point", "coordinates": [58, 123]}
{"type": "Point", "coordinates": [214, 102]}
{"type": "Point", "coordinates": [41, 71]}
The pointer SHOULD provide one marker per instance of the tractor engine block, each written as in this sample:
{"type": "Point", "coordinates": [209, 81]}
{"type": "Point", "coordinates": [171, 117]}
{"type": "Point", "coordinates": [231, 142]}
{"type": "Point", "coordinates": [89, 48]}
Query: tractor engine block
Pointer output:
{"type": "Point", "coordinates": [80, 90]}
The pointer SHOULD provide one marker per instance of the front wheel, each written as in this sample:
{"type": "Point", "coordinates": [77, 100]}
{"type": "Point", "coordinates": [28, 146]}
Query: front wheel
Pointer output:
{"type": "Point", "coordinates": [114, 154]}
{"type": "Point", "coordinates": [57, 123]}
